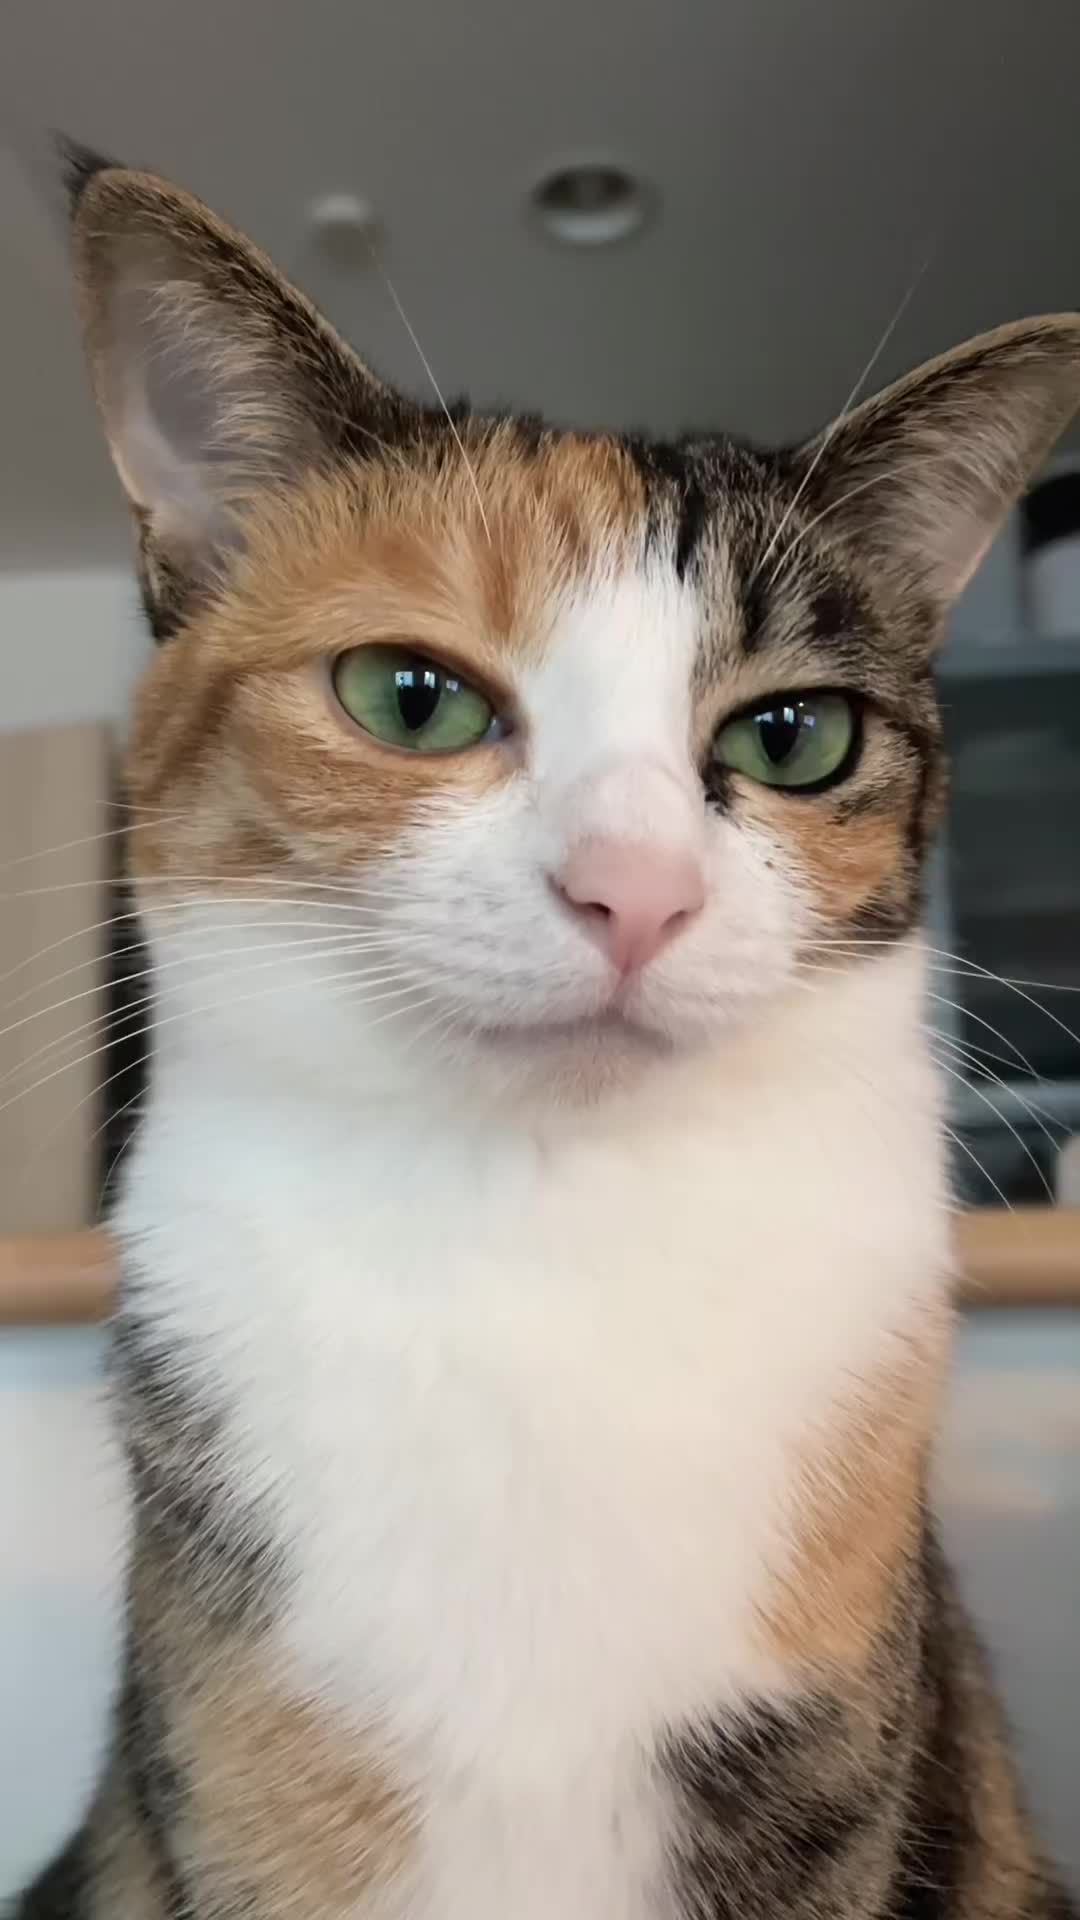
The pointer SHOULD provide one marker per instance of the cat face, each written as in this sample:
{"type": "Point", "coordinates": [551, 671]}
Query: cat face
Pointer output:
{"type": "Point", "coordinates": [564, 745]}
{"type": "Point", "coordinates": [563, 780]}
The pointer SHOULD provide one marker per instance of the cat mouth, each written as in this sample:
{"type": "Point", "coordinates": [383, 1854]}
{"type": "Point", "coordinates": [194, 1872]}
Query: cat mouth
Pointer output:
{"type": "Point", "coordinates": [610, 1026]}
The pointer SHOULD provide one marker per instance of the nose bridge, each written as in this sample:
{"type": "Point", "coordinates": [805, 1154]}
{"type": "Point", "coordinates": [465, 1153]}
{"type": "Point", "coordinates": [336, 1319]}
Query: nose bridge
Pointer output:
{"type": "Point", "coordinates": [609, 711]}
{"type": "Point", "coordinates": [644, 801]}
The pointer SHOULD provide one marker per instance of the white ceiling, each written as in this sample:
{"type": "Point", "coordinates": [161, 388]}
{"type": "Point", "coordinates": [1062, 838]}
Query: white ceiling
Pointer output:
{"type": "Point", "coordinates": [808, 155]}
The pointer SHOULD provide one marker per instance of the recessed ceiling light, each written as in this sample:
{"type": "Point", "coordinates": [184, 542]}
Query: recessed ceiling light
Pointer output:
{"type": "Point", "coordinates": [345, 227]}
{"type": "Point", "coordinates": [590, 204]}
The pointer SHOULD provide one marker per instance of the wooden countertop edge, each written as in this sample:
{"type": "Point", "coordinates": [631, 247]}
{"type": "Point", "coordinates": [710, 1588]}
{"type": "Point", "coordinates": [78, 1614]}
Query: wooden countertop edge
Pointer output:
{"type": "Point", "coordinates": [54, 1278]}
{"type": "Point", "coordinates": [1028, 1257]}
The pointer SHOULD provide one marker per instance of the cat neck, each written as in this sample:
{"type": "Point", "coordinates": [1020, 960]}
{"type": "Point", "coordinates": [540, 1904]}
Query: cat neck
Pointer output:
{"type": "Point", "coordinates": [612, 1340]}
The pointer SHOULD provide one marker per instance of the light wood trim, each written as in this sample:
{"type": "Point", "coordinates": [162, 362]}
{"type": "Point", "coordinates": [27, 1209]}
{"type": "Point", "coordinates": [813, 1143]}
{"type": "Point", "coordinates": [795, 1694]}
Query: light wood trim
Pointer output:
{"type": "Point", "coordinates": [55, 854]}
{"type": "Point", "coordinates": [54, 1277]}
{"type": "Point", "coordinates": [1029, 1257]}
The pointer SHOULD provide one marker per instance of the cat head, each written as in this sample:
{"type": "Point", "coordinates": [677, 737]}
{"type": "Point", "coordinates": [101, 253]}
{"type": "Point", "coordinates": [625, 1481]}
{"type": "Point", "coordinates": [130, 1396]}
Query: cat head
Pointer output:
{"type": "Point", "coordinates": [568, 746]}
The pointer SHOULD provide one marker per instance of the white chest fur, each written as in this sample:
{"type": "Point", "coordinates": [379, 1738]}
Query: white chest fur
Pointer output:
{"type": "Point", "coordinates": [526, 1411]}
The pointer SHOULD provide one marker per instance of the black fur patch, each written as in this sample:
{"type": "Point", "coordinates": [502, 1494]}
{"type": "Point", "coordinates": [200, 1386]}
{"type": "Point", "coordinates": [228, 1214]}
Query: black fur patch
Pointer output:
{"type": "Point", "coordinates": [938, 1828]}
{"type": "Point", "coordinates": [780, 1810]}
{"type": "Point", "coordinates": [78, 166]}
{"type": "Point", "coordinates": [130, 997]}
{"type": "Point", "coordinates": [885, 916]}
{"type": "Point", "coordinates": [692, 519]}
{"type": "Point", "coordinates": [62, 1892]}
{"type": "Point", "coordinates": [678, 504]}
{"type": "Point", "coordinates": [754, 601]}
{"type": "Point", "coordinates": [182, 1495]}
{"type": "Point", "coordinates": [925, 743]}
{"type": "Point", "coordinates": [836, 610]}
{"type": "Point", "coordinates": [155, 1785]}
{"type": "Point", "coordinates": [854, 1806]}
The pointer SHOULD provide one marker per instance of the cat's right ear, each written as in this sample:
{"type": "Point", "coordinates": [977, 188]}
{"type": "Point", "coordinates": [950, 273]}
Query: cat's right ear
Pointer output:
{"type": "Point", "coordinates": [919, 478]}
{"type": "Point", "coordinates": [215, 378]}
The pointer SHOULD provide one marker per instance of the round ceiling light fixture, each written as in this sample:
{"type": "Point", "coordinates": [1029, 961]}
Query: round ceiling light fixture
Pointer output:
{"type": "Point", "coordinates": [345, 227]}
{"type": "Point", "coordinates": [591, 203]}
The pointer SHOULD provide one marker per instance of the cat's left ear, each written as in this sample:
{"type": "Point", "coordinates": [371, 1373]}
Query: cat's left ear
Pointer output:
{"type": "Point", "coordinates": [918, 479]}
{"type": "Point", "coordinates": [216, 379]}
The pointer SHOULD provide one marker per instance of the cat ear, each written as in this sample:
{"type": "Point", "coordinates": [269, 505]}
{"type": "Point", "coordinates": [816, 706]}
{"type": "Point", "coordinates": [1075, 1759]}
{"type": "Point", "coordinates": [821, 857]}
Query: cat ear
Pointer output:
{"type": "Point", "coordinates": [215, 378]}
{"type": "Point", "coordinates": [920, 478]}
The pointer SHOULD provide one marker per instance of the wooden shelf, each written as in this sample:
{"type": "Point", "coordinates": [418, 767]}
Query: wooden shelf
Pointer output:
{"type": "Point", "coordinates": [1030, 1257]}
{"type": "Point", "coordinates": [53, 1278]}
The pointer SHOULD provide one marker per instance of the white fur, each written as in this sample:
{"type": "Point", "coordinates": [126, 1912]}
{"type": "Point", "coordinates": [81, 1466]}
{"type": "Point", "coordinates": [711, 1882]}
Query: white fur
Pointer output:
{"type": "Point", "coordinates": [522, 1329]}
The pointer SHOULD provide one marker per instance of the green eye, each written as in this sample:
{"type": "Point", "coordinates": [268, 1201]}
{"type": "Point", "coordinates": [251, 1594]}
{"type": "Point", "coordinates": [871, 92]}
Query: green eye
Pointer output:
{"type": "Point", "coordinates": [797, 740]}
{"type": "Point", "coordinates": [409, 701]}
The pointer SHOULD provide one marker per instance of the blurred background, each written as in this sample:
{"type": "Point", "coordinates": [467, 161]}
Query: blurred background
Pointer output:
{"type": "Point", "coordinates": [711, 212]}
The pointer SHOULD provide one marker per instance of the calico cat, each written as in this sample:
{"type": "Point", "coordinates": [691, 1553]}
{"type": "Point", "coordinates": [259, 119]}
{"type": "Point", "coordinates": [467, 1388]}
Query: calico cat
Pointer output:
{"type": "Point", "coordinates": [536, 1246]}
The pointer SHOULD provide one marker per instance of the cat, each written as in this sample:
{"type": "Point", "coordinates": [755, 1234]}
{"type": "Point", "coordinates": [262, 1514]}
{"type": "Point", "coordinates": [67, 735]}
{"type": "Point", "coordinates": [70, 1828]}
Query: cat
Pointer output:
{"type": "Point", "coordinates": [536, 1247]}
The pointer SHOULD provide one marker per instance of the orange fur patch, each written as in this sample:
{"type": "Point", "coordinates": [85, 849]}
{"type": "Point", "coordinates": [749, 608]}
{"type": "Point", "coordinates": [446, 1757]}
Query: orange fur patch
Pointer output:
{"type": "Point", "coordinates": [847, 855]}
{"type": "Point", "coordinates": [276, 1802]}
{"type": "Point", "coordinates": [860, 1495]}
{"type": "Point", "coordinates": [236, 728]}
{"type": "Point", "coordinates": [847, 862]}
{"type": "Point", "coordinates": [284, 1809]}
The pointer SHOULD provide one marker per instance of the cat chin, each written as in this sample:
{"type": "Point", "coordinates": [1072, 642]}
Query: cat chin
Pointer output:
{"type": "Point", "coordinates": [577, 1061]}
{"type": "Point", "coordinates": [587, 1034]}
{"type": "Point", "coordinates": [642, 1026]}
{"type": "Point", "coordinates": [568, 1064]}
{"type": "Point", "coordinates": [612, 1035]}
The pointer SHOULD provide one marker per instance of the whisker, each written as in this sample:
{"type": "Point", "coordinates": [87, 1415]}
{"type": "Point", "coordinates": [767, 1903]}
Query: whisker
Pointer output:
{"type": "Point", "coordinates": [440, 1023]}
{"type": "Point", "coordinates": [987, 973]}
{"type": "Point", "coordinates": [426, 364]}
{"type": "Point", "coordinates": [1004, 1121]}
{"type": "Point", "coordinates": [942, 999]}
{"type": "Point", "coordinates": [110, 1120]}
{"type": "Point", "coordinates": [948, 962]}
{"type": "Point", "coordinates": [1041, 986]}
{"type": "Point", "coordinates": [191, 1013]}
{"type": "Point", "coordinates": [963, 964]}
{"type": "Point", "coordinates": [430, 1000]}
{"type": "Point", "coordinates": [113, 1021]}
{"type": "Point", "coordinates": [122, 803]}
{"type": "Point", "coordinates": [974, 1158]}
{"type": "Point", "coordinates": [834, 506]}
{"type": "Point", "coordinates": [971, 1060]}
{"type": "Point", "coordinates": [355, 890]}
{"type": "Point", "coordinates": [337, 416]}
{"type": "Point", "coordinates": [87, 840]}
{"type": "Point", "coordinates": [301, 935]}
{"type": "Point", "coordinates": [305, 936]}
{"type": "Point", "coordinates": [79, 933]}
{"type": "Point", "coordinates": [117, 1114]}
{"type": "Point", "coordinates": [831, 430]}
{"type": "Point", "coordinates": [296, 948]}
{"type": "Point", "coordinates": [114, 920]}
{"type": "Point", "coordinates": [978, 1054]}
{"type": "Point", "coordinates": [98, 1090]}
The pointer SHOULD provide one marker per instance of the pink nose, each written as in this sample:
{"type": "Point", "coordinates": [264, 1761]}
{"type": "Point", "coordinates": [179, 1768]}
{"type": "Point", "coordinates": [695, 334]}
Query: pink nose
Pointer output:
{"type": "Point", "coordinates": [631, 899]}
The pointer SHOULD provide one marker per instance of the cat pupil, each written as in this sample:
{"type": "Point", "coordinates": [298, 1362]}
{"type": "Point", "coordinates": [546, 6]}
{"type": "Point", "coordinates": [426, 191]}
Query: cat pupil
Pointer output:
{"type": "Point", "coordinates": [778, 731]}
{"type": "Point", "coordinates": [419, 690]}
